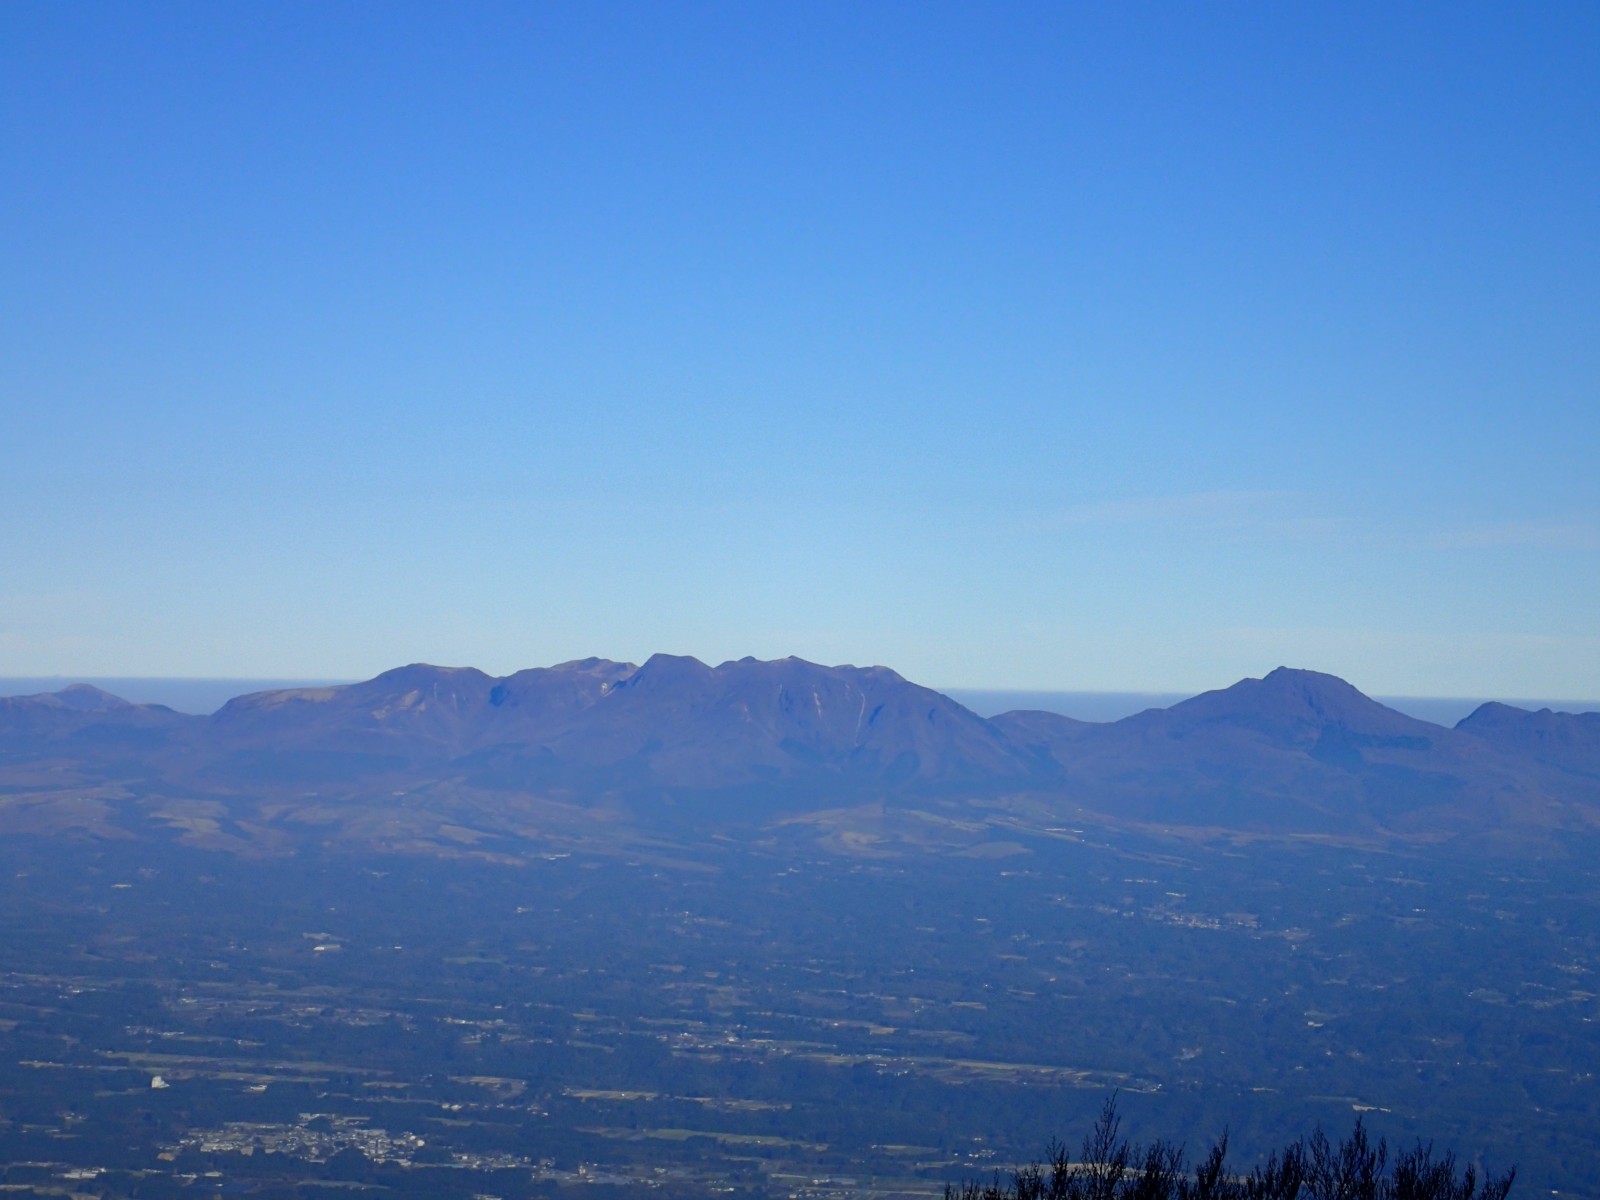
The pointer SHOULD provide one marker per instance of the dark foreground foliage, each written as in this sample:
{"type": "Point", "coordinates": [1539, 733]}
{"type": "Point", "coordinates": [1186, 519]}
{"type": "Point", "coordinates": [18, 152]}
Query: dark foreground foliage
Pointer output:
{"type": "Point", "coordinates": [1110, 1168]}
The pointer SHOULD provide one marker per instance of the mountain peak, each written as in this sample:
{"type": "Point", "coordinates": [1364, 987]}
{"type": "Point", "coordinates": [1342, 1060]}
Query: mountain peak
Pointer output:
{"type": "Point", "coordinates": [424, 674]}
{"type": "Point", "coordinates": [88, 698]}
{"type": "Point", "coordinates": [82, 697]}
{"type": "Point", "coordinates": [1570, 741]}
{"type": "Point", "coordinates": [1310, 683]}
{"type": "Point", "coordinates": [1492, 713]}
{"type": "Point", "coordinates": [668, 671]}
{"type": "Point", "coordinates": [1289, 699]}
{"type": "Point", "coordinates": [590, 664]}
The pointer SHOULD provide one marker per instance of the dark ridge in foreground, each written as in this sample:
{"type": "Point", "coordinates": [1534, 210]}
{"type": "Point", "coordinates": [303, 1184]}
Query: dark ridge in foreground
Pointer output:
{"type": "Point", "coordinates": [1294, 753]}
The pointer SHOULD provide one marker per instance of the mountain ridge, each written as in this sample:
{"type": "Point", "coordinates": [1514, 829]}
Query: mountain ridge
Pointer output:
{"type": "Point", "coordinates": [1293, 753]}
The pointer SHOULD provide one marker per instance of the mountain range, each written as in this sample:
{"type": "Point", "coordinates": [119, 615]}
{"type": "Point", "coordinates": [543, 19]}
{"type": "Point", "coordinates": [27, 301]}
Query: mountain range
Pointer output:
{"type": "Point", "coordinates": [1296, 753]}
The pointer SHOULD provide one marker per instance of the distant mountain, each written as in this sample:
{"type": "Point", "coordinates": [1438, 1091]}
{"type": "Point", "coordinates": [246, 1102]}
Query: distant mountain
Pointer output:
{"type": "Point", "coordinates": [746, 721]}
{"type": "Point", "coordinates": [76, 719]}
{"type": "Point", "coordinates": [1297, 751]}
{"type": "Point", "coordinates": [1049, 732]}
{"type": "Point", "coordinates": [79, 697]}
{"type": "Point", "coordinates": [673, 723]}
{"type": "Point", "coordinates": [1294, 753]}
{"type": "Point", "coordinates": [1568, 741]}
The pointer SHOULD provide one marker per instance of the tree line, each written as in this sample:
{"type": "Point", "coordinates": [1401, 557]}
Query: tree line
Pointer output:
{"type": "Point", "coordinates": [1109, 1167]}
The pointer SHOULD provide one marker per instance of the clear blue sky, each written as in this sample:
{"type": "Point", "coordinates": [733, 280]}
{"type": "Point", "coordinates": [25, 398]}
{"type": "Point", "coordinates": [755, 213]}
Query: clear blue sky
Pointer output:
{"type": "Point", "coordinates": [1049, 346]}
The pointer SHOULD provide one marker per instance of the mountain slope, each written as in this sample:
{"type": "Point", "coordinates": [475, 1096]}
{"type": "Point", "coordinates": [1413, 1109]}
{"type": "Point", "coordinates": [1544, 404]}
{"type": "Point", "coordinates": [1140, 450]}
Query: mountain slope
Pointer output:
{"type": "Point", "coordinates": [82, 721]}
{"type": "Point", "coordinates": [417, 713]}
{"type": "Point", "coordinates": [1570, 742]}
{"type": "Point", "coordinates": [673, 723]}
{"type": "Point", "coordinates": [1293, 753]}
{"type": "Point", "coordinates": [748, 721]}
{"type": "Point", "coordinates": [1298, 751]}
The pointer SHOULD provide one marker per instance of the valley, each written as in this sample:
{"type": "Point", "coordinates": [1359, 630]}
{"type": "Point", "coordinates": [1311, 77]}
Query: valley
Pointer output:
{"type": "Point", "coordinates": [771, 1020]}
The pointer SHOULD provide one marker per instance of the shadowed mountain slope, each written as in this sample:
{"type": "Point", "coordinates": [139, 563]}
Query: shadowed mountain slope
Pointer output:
{"type": "Point", "coordinates": [1567, 741]}
{"type": "Point", "coordinates": [417, 713]}
{"type": "Point", "coordinates": [78, 719]}
{"type": "Point", "coordinates": [748, 720]}
{"type": "Point", "coordinates": [674, 723]}
{"type": "Point", "coordinates": [1296, 752]}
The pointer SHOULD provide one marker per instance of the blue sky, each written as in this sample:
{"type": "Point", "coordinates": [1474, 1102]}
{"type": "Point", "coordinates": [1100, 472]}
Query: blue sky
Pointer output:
{"type": "Point", "coordinates": [1034, 346]}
